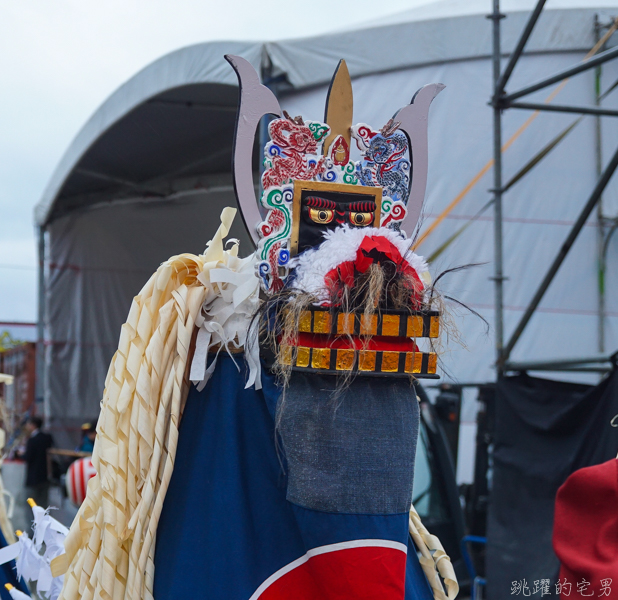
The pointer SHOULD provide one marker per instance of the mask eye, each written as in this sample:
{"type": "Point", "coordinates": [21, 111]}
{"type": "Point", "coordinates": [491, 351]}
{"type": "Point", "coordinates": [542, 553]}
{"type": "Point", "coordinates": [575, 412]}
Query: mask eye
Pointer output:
{"type": "Point", "coordinates": [361, 219]}
{"type": "Point", "coordinates": [322, 216]}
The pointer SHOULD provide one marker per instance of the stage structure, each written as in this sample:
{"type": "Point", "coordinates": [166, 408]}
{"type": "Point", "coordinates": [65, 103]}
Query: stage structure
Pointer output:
{"type": "Point", "coordinates": [140, 179]}
{"type": "Point", "coordinates": [606, 226]}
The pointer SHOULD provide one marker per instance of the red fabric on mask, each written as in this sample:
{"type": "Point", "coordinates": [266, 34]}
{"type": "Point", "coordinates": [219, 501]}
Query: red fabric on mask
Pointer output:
{"type": "Point", "coordinates": [378, 244]}
{"type": "Point", "coordinates": [376, 342]}
{"type": "Point", "coordinates": [586, 531]}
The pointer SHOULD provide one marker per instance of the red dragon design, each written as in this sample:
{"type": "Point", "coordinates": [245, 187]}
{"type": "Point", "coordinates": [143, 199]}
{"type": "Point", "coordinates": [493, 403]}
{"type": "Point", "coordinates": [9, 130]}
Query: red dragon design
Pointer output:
{"type": "Point", "coordinates": [292, 141]}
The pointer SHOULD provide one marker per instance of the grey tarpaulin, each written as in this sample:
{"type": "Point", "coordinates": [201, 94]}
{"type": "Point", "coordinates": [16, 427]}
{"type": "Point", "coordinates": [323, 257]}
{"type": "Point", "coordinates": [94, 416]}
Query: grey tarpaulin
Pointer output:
{"type": "Point", "coordinates": [545, 430]}
{"type": "Point", "coordinates": [168, 132]}
{"type": "Point", "coordinates": [101, 259]}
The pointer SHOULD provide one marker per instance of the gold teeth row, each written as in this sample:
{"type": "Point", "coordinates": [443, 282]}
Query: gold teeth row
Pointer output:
{"type": "Point", "coordinates": [411, 326]}
{"type": "Point", "coordinates": [376, 361]}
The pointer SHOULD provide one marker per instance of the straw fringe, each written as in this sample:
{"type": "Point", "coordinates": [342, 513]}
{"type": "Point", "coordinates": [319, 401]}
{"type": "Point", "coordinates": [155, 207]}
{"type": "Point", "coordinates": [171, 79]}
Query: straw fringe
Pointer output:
{"type": "Point", "coordinates": [434, 560]}
{"type": "Point", "coordinates": [5, 523]}
{"type": "Point", "coordinates": [110, 546]}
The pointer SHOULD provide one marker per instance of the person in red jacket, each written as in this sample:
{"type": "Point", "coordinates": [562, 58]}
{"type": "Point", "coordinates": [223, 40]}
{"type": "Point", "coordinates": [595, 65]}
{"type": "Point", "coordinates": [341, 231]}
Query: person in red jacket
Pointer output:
{"type": "Point", "coordinates": [586, 533]}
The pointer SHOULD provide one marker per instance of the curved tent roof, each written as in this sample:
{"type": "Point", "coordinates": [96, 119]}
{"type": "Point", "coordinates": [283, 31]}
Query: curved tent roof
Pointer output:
{"type": "Point", "coordinates": [118, 150]}
{"type": "Point", "coordinates": [160, 125]}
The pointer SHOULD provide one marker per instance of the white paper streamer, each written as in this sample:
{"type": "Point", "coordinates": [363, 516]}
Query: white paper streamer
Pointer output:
{"type": "Point", "coordinates": [9, 553]}
{"type": "Point", "coordinates": [29, 562]}
{"type": "Point", "coordinates": [50, 532]}
{"type": "Point", "coordinates": [232, 298]}
{"type": "Point", "coordinates": [17, 595]}
{"type": "Point", "coordinates": [56, 587]}
{"type": "Point", "coordinates": [49, 535]}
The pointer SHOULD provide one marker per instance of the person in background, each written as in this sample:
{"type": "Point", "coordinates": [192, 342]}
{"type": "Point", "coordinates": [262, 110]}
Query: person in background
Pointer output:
{"type": "Point", "coordinates": [89, 431]}
{"type": "Point", "coordinates": [35, 455]}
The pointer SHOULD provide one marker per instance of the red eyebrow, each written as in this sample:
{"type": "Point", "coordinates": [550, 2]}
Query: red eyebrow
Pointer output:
{"type": "Point", "coordinates": [368, 206]}
{"type": "Point", "coordinates": [317, 202]}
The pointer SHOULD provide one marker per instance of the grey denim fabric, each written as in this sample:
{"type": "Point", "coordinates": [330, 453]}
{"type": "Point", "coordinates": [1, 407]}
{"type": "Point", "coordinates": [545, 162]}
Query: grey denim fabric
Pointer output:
{"type": "Point", "coordinates": [353, 453]}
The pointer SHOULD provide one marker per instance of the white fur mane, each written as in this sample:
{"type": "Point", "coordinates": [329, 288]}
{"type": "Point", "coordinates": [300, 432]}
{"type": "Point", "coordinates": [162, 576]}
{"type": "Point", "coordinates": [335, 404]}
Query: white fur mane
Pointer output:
{"type": "Point", "coordinates": [341, 245]}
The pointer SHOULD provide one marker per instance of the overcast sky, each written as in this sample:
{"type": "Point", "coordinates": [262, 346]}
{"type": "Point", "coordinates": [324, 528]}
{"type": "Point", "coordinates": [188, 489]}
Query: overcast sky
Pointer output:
{"type": "Point", "coordinates": [60, 59]}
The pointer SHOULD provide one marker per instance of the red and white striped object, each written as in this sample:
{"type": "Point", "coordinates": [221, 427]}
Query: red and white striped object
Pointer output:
{"type": "Point", "coordinates": [77, 479]}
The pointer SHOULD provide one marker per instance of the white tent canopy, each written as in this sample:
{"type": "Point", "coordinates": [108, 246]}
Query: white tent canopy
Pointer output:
{"type": "Point", "coordinates": [419, 37]}
{"type": "Point", "coordinates": [149, 173]}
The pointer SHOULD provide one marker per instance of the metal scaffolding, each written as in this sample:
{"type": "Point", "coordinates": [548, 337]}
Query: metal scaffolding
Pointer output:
{"type": "Point", "coordinates": [501, 101]}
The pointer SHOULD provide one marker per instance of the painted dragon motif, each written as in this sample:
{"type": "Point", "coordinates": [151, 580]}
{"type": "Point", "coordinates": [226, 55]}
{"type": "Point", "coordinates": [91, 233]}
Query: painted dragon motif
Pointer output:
{"type": "Point", "coordinates": [292, 152]}
{"type": "Point", "coordinates": [384, 161]}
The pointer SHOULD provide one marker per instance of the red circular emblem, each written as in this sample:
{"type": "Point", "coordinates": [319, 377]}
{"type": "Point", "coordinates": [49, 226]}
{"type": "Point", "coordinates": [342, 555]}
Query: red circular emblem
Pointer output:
{"type": "Point", "coordinates": [360, 569]}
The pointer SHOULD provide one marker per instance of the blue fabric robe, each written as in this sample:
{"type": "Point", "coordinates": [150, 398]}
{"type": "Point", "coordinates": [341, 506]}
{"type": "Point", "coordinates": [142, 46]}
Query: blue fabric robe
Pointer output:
{"type": "Point", "coordinates": [226, 526]}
